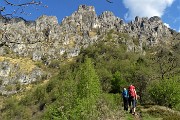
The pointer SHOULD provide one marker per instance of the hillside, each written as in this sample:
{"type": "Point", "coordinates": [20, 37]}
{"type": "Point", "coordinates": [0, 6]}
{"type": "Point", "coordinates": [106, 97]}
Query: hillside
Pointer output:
{"type": "Point", "coordinates": [78, 68]}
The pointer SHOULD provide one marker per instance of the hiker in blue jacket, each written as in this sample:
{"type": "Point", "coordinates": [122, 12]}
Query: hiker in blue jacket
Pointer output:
{"type": "Point", "coordinates": [125, 96]}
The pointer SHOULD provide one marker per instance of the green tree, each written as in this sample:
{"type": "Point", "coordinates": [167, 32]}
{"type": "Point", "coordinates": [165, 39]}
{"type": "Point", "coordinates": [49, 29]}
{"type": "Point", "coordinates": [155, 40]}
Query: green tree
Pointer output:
{"type": "Point", "coordinates": [89, 85]}
{"type": "Point", "coordinates": [88, 91]}
{"type": "Point", "coordinates": [141, 76]}
{"type": "Point", "coordinates": [165, 92]}
{"type": "Point", "coordinates": [63, 96]}
{"type": "Point", "coordinates": [118, 82]}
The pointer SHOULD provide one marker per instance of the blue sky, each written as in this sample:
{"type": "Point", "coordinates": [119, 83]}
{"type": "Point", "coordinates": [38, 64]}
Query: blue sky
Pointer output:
{"type": "Point", "coordinates": [168, 10]}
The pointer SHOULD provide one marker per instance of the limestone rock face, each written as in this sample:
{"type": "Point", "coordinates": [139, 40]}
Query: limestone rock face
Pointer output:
{"type": "Point", "coordinates": [109, 21]}
{"type": "Point", "coordinates": [16, 72]}
{"type": "Point", "coordinates": [152, 30]}
{"type": "Point", "coordinates": [45, 39]}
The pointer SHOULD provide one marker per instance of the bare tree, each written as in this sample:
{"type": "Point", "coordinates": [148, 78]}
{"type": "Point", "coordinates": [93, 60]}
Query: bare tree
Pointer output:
{"type": "Point", "coordinates": [109, 1]}
{"type": "Point", "coordinates": [18, 5]}
{"type": "Point", "coordinates": [167, 62]}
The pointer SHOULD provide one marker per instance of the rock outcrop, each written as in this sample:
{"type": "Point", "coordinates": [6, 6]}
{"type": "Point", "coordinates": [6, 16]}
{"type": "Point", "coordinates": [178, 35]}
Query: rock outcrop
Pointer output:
{"type": "Point", "coordinates": [46, 38]}
{"type": "Point", "coordinates": [17, 71]}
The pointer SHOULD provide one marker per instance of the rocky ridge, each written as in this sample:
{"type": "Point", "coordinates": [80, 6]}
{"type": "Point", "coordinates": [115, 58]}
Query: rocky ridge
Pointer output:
{"type": "Point", "coordinates": [45, 39]}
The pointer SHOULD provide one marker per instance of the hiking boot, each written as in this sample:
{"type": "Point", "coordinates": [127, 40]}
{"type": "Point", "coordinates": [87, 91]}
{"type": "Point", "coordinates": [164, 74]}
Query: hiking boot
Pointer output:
{"type": "Point", "coordinates": [134, 113]}
{"type": "Point", "coordinates": [130, 111]}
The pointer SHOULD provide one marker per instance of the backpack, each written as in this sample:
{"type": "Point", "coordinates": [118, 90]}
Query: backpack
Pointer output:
{"type": "Point", "coordinates": [132, 91]}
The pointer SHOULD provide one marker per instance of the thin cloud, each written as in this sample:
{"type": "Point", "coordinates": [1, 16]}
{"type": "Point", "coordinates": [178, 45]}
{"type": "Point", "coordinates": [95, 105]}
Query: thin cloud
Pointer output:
{"type": "Point", "coordinates": [146, 8]}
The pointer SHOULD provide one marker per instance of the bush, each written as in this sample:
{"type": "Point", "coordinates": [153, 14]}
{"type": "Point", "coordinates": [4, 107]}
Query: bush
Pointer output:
{"type": "Point", "coordinates": [109, 106]}
{"type": "Point", "coordinates": [63, 99]}
{"type": "Point", "coordinates": [54, 64]}
{"type": "Point", "coordinates": [14, 110]}
{"type": "Point", "coordinates": [177, 107]}
{"type": "Point", "coordinates": [118, 83]}
{"type": "Point", "coordinates": [165, 92]}
{"type": "Point", "coordinates": [1, 82]}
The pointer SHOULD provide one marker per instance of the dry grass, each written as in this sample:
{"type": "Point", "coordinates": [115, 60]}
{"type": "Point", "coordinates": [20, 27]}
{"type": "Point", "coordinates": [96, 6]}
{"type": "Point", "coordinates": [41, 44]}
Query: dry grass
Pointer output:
{"type": "Point", "coordinates": [25, 64]}
{"type": "Point", "coordinates": [162, 112]}
{"type": "Point", "coordinates": [92, 34]}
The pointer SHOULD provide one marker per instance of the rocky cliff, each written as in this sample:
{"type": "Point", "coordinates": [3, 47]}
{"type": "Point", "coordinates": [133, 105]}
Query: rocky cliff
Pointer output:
{"type": "Point", "coordinates": [45, 39]}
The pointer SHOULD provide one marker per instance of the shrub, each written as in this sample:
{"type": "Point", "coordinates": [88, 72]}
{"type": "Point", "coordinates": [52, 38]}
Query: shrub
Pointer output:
{"type": "Point", "coordinates": [105, 77]}
{"type": "Point", "coordinates": [109, 106]}
{"type": "Point", "coordinates": [40, 94]}
{"type": "Point", "coordinates": [63, 99]}
{"type": "Point", "coordinates": [13, 110]}
{"type": "Point", "coordinates": [54, 64]}
{"type": "Point", "coordinates": [165, 92]}
{"type": "Point", "coordinates": [1, 82]}
{"type": "Point", "coordinates": [118, 82]}
{"type": "Point", "coordinates": [9, 87]}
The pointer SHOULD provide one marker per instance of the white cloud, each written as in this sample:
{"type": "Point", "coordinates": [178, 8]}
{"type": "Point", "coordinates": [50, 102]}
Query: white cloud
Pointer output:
{"type": "Point", "coordinates": [179, 29]}
{"type": "Point", "coordinates": [167, 25]}
{"type": "Point", "coordinates": [146, 8]}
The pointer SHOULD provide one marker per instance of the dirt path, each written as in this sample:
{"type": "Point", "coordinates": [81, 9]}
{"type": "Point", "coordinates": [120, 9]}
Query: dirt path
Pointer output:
{"type": "Point", "coordinates": [137, 116]}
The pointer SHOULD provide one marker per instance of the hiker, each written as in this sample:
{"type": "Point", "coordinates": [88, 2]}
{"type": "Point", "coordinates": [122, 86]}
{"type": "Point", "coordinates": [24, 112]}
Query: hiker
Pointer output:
{"type": "Point", "coordinates": [132, 99]}
{"type": "Point", "coordinates": [125, 96]}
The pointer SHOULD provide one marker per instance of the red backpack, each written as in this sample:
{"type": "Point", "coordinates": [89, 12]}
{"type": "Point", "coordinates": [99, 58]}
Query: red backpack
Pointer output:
{"type": "Point", "coordinates": [132, 91]}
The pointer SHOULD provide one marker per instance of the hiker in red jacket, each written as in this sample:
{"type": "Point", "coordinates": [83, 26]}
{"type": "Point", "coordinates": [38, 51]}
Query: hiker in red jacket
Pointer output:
{"type": "Point", "coordinates": [132, 99]}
